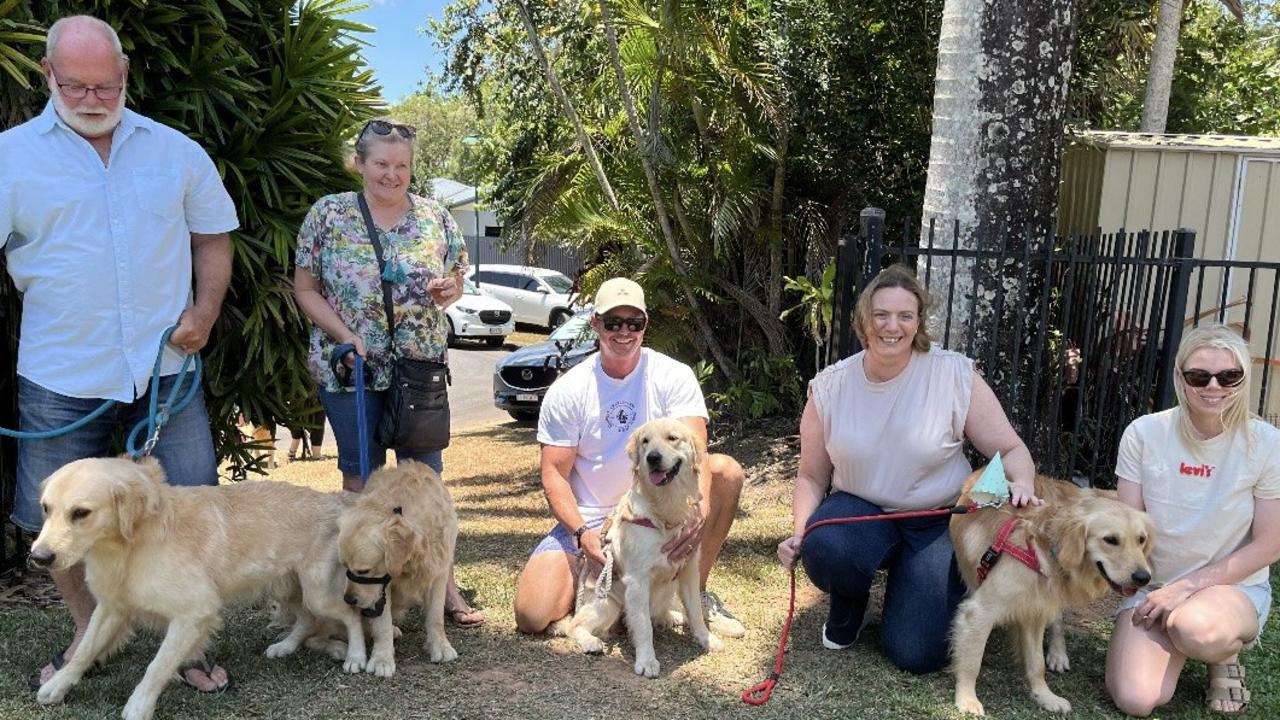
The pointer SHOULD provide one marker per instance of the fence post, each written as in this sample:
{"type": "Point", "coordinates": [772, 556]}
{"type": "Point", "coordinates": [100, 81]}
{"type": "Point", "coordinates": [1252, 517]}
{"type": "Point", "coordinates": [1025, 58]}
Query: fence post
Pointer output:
{"type": "Point", "coordinates": [845, 280]}
{"type": "Point", "coordinates": [871, 222]}
{"type": "Point", "coordinates": [1184, 245]}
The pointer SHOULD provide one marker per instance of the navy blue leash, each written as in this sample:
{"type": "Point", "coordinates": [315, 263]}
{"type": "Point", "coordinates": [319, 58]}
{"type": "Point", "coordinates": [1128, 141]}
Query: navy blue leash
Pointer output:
{"type": "Point", "coordinates": [157, 414]}
{"type": "Point", "coordinates": [362, 421]}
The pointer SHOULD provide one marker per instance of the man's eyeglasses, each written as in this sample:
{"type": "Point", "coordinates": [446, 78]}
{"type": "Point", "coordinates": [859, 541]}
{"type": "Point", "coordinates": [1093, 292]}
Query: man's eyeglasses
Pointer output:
{"type": "Point", "coordinates": [1197, 378]}
{"type": "Point", "coordinates": [382, 127]}
{"type": "Point", "coordinates": [613, 323]}
{"type": "Point", "coordinates": [79, 92]}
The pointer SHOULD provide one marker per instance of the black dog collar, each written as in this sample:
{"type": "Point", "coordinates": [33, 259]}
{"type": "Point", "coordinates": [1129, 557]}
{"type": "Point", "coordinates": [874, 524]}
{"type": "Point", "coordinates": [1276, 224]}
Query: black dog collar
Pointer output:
{"type": "Point", "coordinates": [362, 580]}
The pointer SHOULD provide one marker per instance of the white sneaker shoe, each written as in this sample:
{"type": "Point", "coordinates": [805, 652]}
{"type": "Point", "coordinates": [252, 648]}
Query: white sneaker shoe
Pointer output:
{"type": "Point", "coordinates": [719, 619]}
{"type": "Point", "coordinates": [830, 644]}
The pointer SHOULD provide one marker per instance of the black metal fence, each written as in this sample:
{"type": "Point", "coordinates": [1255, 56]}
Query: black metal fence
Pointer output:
{"type": "Point", "coordinates": [1076, 335]}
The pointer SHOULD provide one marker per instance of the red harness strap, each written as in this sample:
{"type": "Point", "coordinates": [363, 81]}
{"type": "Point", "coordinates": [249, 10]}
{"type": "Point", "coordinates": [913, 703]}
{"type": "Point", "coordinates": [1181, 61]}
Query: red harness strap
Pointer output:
{"type": "Point", "coordinates": [642, 521]}
{"type": "Point", "coordinates": [1025, 555]}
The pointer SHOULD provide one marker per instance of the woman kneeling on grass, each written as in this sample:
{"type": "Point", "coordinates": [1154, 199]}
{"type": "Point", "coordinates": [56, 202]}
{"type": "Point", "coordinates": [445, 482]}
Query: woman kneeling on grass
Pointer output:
{"type": "Point", "coordinates": [884, 431]}
{"type": "Point", "coordinates": [1209, 475]}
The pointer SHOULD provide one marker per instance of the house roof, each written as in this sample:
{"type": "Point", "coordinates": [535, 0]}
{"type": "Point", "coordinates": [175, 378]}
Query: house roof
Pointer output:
{"type": "Point", "coordinates": [1242, 144]}
{"type": "Point", "coordinates": [453, 193]}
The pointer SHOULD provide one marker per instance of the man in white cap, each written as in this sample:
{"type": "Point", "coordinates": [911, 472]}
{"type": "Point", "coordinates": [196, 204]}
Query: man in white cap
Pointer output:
{"type": "Point", "coordinates": [586, 418]}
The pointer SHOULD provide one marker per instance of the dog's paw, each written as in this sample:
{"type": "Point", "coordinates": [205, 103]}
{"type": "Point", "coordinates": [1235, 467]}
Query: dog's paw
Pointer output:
{"type": "Point", "coordinates": [672, 619]}
{"type": "Point", "coordinates": [590, 644]}
{"type": "Point", "coordinates": [354, 663]}
{"type": "Point", "coordinates": [442, 653]}
{"type": "Point", "coordinates": [1057, 660]}
{"type": "Point", "coordinates": [712, 643]}
{"type": "Point", "coordinates": [728, 627]}
{"type": "Point", "coordinates": [54, 691]}
{"type": "Point", "coordinates": [1052, 703]}
{"type": "Point", "coordinates": [382, 667]}
{"type": "Point", "coordinates": [648, 666]}
{"type": "Point", "coordinates": [138, 708]}
{"type": "Point", "coordinates": [970, 705]}
{"type": "Point", "coordinates": [281, 649]}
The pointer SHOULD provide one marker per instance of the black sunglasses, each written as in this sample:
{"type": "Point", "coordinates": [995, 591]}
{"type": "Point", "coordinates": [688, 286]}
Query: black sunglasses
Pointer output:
{"type": "Point", "coordinates": [1197, 378]}
{"type": "Point", "coordinates": [613, 323]}
{"type": "Point", "coordinates": [382, 127]}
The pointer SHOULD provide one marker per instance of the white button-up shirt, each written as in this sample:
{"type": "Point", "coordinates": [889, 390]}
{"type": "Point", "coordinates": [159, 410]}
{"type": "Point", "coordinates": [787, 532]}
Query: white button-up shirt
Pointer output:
{"type": "Point", "coordinates": [102, 254]}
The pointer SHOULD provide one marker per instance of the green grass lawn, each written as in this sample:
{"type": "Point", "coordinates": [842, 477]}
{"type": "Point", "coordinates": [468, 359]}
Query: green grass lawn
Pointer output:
{"type": "Point", "coordinates": [500, 673]}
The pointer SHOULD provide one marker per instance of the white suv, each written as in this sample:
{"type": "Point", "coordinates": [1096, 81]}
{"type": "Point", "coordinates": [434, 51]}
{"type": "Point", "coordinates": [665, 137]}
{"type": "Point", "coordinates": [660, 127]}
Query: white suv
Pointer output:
{"type": "Point", "coordinates": [480, 317]}
{"type": "Point", "coordinates": [536, 295]}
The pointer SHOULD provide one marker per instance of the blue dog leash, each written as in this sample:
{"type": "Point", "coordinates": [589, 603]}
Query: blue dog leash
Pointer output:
{"type": "Point", "coordinates": [362, 421]}
{"type": "Point", "coordinates": [157, 414]}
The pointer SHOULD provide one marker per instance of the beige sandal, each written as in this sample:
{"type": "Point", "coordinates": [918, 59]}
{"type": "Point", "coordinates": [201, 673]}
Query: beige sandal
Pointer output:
{"type": "Point", "coordinates": [1226, 684]}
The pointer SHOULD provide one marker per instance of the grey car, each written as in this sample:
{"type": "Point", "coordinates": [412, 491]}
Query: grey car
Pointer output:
{"type": "Point", "coordinates": [521, 379]}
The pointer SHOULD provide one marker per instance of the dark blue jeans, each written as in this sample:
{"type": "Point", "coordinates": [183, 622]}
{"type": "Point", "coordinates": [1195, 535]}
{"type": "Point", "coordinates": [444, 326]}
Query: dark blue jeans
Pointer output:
{"type": "Point", "coordinates": [340, 407]}
{"type": "Point", "coordinates": [924, 585]}
{"type": "Point", "coordinates": [185, 448]}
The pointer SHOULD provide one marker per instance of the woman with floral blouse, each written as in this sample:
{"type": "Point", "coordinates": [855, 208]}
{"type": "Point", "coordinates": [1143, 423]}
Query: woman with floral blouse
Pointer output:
{"type": "Point", "coordinates": [338, 285]}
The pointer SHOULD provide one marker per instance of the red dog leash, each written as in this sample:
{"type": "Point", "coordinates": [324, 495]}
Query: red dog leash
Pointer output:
{"type": "Point", "coordinates": [760, 693]}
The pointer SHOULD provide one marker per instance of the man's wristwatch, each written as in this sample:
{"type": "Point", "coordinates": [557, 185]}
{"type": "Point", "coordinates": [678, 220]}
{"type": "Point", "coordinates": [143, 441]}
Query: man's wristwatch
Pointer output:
{"type": "Point", "coordinates": [577, 535]}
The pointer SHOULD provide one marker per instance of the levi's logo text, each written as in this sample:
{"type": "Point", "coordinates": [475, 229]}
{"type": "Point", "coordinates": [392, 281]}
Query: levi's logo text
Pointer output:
{"type": "Point", "coordinates": [1204, 471]}
{"type": "Point", "coordinates": [621, 416]}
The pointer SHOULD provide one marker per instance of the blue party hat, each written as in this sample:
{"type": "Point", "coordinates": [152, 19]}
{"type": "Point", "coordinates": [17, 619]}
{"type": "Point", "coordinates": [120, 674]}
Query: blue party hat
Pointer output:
{"type": "Point", "coordinates": [992, 488]}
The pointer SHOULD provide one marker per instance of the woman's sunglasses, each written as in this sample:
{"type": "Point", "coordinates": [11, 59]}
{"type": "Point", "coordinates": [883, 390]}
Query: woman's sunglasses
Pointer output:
{"type": "Point", "coordinates": [382, 127]}
{"type": "Point", "coordinates": [613, 323]}
{"type": "Point", "coordinates": [1200, 378]}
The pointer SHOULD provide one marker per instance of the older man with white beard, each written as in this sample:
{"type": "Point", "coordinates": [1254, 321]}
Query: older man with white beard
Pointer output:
{"type": "Point", "coordinates": [106, 218]}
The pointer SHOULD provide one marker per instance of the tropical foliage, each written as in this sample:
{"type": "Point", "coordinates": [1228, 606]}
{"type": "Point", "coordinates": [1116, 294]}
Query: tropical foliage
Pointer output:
{"type": "Point", "coordinates": [272, 89]}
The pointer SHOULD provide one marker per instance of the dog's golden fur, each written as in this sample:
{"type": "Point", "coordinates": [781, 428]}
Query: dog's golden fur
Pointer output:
{"type": "Point", "coordinates": [165, 556]}
{"type": "Point", "coordinates": [1086, 541]}
{"type": "Point", "coordinates": [665, 466]}
{"type": "Point", "coordinates": [404, 525]}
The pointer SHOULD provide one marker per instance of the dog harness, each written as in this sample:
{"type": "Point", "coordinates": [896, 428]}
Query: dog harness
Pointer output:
{"type": "Point", "coordinates": [1025, 555]}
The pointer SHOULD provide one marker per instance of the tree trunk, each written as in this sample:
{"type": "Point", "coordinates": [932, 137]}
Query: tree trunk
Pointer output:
{"type": "Point", "coordinates": [588, 148]}
{"type": "Point", "coordinates": [999, 100]}
{"type": "Point", "coordinates": [644, 148]}
{"type": "Point", "coordinates": [1155, 105]}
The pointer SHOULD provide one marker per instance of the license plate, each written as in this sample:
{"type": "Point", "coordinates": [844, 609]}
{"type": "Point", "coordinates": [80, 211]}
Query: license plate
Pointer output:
{"type": "Point", "coordinates": [495, 331]}
{"type": "Point", "coordinates": [527, 397]}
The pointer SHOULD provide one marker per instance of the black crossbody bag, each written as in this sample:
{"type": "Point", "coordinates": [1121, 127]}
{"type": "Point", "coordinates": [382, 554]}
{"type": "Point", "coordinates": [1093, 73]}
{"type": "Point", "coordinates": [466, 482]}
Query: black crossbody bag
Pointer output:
{"type": "Point", "coordinates": [415, 415]}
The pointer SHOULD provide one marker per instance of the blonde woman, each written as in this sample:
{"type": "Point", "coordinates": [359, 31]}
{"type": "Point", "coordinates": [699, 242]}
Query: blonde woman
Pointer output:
{"type": "Point", "coordinates": [1208, 473]}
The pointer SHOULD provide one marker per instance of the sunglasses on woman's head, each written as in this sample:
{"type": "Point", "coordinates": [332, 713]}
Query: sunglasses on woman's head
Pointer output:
{"type": "Point", "coordinates": [1200, 378]}
{"type": "Point", "coordinates": [382, 127]}
{"type": "Point", "coordinates": [613, 323]}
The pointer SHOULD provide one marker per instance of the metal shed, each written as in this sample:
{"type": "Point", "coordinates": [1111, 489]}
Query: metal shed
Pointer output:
{"type": "Point", "coordinates": [1226, 188]}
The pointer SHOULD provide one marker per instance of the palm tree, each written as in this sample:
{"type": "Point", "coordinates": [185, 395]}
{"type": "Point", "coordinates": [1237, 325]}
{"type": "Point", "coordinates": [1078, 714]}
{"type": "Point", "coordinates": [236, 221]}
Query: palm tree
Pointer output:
{"type": "Point", "coordinates": [1155, 106]}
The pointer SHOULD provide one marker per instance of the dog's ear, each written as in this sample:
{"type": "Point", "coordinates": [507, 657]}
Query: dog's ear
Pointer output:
{"type": "Point", "coordinates": [401, 539]}
{"type": "Point", "coordinates": [1074, 534]}
{"type": "Point", "coordinates": [137, 496]}
{"type": "Point", "coordinates": [633, 445]}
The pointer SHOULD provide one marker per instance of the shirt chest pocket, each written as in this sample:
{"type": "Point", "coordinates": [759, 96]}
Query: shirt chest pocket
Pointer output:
{"type": "Point", "coordinates": [159, 192]}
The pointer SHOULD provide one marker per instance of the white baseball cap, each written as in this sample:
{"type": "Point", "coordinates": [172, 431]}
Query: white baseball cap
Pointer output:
{"type": "Point", "coordinates": [619, 292]}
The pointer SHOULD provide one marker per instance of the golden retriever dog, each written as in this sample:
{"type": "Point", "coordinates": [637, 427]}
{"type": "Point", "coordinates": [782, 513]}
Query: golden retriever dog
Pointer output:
{"type": "Point", "coordinates": [663, 499]}
{"type": "Point", "coordinates": [396, 545]}
{"type": "Point", "coordinates": [1086, 543]}
{"type": "Point", "coordinates": [165, 556]}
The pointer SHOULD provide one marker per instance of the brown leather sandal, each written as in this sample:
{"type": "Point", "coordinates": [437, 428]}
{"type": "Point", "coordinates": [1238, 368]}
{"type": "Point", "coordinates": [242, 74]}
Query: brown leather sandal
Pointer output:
{"type": "Point", "coordinates": [1226, 684]}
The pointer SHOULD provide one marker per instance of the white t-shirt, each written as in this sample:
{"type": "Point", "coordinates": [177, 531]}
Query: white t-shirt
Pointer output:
{"type": "Point", "coordinates": [898, 443]}
{"type": "Point", "coordinates": [1201, 503]}
{"type": "Point", "coordinates": [588, 410]}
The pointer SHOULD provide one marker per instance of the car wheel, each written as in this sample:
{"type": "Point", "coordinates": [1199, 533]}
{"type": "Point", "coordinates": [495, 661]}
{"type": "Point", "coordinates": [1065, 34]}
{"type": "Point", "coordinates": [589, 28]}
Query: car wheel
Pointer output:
{"type": "Point", "coordinates": [495, 341]}
{"type": "Point", "coordinates": [559, 317]}
{"type": "Point", "coordinates": [452, 339]}
{"type": "Point", "coordinates": [524, 415]}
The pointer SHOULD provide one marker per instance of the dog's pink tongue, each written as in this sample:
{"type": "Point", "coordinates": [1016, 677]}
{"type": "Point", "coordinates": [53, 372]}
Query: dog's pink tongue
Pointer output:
{"type": "Point", "coordinates": [1128, 591]}
{"type": "Point", "coordinates": [657, 476]}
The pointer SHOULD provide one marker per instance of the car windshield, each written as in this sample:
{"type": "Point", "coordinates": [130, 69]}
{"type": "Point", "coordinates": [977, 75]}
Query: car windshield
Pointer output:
{"type": "Point", "coordinates": [577, 328]}
{"type": "Point", "coordinates": [558, 282]}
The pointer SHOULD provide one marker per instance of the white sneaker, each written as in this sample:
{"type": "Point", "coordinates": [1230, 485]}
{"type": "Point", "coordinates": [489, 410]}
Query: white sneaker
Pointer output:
{"type": "Point", "coordinates": [830, 644]}
{"type": "Point", "coordinates": [719, 619]}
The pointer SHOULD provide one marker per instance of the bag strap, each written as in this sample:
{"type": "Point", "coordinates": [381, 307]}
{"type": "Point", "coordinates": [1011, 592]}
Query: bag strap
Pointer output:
{"type": "Point", "coordinates": [382, 271]}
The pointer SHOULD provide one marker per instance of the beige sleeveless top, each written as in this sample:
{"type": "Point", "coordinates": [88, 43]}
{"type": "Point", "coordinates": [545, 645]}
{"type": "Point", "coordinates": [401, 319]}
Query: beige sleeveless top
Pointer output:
{"type": "Point", "coordinates": [898, 443]}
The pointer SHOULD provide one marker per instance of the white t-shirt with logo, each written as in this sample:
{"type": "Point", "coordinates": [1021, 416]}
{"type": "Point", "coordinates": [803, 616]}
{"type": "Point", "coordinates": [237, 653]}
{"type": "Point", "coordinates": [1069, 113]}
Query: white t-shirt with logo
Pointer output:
{"type": "Point", "coordinates": [588, 410]}
{"type": "Point", "coordinates": [1201, 503]}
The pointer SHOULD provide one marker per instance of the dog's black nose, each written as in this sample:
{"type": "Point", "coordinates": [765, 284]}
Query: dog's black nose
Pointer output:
{"type": "Point", "coordinates": [654, 458]}
{"type": "Point", "coordinates": [1141, 577]}
{"type": "Point", "coordinates": [40, 559]}
{"type": "Point", "coordinates": [349, 599]}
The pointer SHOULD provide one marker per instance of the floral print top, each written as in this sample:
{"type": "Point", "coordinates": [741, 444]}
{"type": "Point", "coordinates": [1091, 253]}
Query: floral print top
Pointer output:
{"type": "Point", "coordinates": [334, 246]}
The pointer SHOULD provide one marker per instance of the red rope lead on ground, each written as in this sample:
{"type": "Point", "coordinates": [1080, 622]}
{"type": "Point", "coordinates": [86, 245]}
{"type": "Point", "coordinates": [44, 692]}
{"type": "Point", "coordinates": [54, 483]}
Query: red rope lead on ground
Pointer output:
{"type": "Point", "coordinates": [760, 693]}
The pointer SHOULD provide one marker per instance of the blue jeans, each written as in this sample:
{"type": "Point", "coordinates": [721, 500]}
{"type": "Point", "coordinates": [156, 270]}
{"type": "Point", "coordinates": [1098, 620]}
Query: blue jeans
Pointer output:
{"type": "Point", "coordinates": [340, 408]}
{"type": "Point", "coordinates": [185, 448]}
{"type": "Point", "coordinates": [924, 585]}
